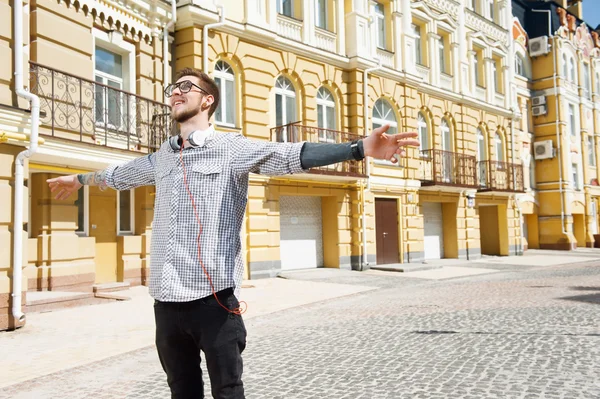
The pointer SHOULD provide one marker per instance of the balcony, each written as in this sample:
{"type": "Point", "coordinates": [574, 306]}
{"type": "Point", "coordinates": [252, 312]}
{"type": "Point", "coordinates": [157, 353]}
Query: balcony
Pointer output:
{"type": "Point", "coordinates": [446, 81]}
{"type": "Point", "coordinates": [447, 168]}
{"type": "Point", "coordinates": [423, 72]}
{"type": "Point", "coordinates": [289, 27]}
{"type": "Point", "coordinates": [325, 40]}
{"type": "Point", "coordinates": [386, 58]}
{"type": "Point", "coordinates": [79, 109]}
{"type": "Point", "coordinates": [296, 133]}
{"type": "Point", "coordinates": [500, 176]}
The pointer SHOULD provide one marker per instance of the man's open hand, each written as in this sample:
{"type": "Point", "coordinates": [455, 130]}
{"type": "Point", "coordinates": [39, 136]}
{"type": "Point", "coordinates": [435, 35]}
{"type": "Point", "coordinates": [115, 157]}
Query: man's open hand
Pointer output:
{"type": "Point", "coordinates": [381, 145]}
{"type": "Point", "coordinates": [64, 186]}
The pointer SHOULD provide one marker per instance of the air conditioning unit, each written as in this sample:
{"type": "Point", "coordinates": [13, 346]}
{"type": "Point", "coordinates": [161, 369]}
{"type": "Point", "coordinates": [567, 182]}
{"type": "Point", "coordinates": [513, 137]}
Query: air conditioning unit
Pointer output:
{"type": "Point", "coordinates": [539, 110]}
{"type": "Point", "coordinates": [538, 100]}
{"type": "Point", "coordinates": [543, 149]}
{"type": "Point", "coordinates": [539, 46]}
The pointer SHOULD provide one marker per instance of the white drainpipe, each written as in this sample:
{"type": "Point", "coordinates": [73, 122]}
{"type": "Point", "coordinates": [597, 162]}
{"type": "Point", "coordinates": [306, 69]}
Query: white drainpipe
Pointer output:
{"type": "Point", "coordinates": [368, 163]}
{"type": "Point", "coordinates": [166, 42]}
{"type": "Point", "coordinates": [19, 164]}
{"type": "Point", "coordinates": [221, 12]}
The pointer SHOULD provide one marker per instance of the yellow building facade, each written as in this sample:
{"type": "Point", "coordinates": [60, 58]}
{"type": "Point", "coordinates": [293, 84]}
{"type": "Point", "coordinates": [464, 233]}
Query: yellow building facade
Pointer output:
{"type": "Point", "coordinates": [318, 71]}
{"type": "Point", "coordinates": [558, 78]}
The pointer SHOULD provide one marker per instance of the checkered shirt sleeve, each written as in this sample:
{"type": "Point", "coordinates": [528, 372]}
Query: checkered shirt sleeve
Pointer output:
{"type": "Point", "coordinates": [265, 158]}
{"type": "Point", "coordinates": [136, 173]}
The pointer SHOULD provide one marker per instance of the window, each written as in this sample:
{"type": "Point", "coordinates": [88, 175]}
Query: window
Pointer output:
{"type": "Point", "coordinates": [224, 78]}
{"type": "Point", "coordinates": [575, 172]}
{"type": "Point", "coordinates": [82, 206]}
{"type": "Point", "coordinates": [423, 132]}
{"type": "Point", "coordinates": [285, 102]}
{"type": "Point", "coordinates": [481, 158]}
{"type": "Point", "coordinates": [418, 47]}
{"type": "Point", "coordinates": [285, 7]}
{"type": "Point", "coordinates": [379, 12]}
{"type": "Point", "coordinates": [442, 54]}
{"type": "Point", "coordinates": [125, 212]}
{"type": "Point", "coordinates": [474, 5]}
{"type": "Point", "coordinates": [478, 67]}
{"type": "Point", "coordinates": [384, 114]}
{"type": "Point", "coordinates": [598, 84]}
{"type": "Point", "coordinates": [499, 148]}
{"type": "Point", "coordinates": [572, 120]}
{"type": "Point", "coordinates": [586, 80]}
{"type": "Point", "coordinates": [446, 136]}
{"type": "Point", "coordinates": [326, 115]}
{"type": "Point", "coordinates": [520, 65]}
{"type": "Point", "coordinates": [492, 9]}
{"type": "Point", "coordinates": [321, 14]}
{"type": "Point", "coordinates": [591, 151]}
{"type": "Point", "coordinates": [108, 101]}
{"type": "Point", "coordinates": [495, 75]}
{"type": "Point", "coordinates": [572, 72]}
{"type": "Point", "coordinates": [565, 66]}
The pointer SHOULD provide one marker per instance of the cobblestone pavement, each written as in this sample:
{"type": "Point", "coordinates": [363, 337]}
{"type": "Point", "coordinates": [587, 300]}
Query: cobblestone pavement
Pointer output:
{"type": "Point", "coordinates": [516, 333]}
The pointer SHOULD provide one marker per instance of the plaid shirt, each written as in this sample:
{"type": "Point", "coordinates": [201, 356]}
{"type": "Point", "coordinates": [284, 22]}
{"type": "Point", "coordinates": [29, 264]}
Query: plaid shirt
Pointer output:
{"type": "Point", "coordinates": [217, 176]}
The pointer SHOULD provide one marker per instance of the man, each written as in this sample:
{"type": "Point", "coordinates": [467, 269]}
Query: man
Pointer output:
{"type": "Point", "coordinates": [201, 180]}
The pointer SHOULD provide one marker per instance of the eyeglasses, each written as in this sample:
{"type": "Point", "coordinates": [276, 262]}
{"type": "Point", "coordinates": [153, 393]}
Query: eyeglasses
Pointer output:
{"type": "Point", "coordinates": [184, 86]}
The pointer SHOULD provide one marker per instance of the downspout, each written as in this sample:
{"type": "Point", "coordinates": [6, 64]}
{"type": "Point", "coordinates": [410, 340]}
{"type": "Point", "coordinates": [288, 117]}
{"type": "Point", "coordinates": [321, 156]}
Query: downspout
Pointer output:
{"type": "Point", "coordinates": [221, 12]}
{"type": "Point", "coordinates": [367, 161]}
{"type": "Point", "coordinates": [556, 122]}
{"type": "Point", "coordinates": [166, 43]}
{"type": "Point", "coordinates": [20, 161]}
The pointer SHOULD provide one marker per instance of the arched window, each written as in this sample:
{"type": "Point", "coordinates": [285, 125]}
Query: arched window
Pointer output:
{"type": "Point", "coordinates": [565, 66]}
{"type": "Point", "coordinates": [572, 72]}
{"type": "Point", "coordinates": [423, 132]}
{"type": "Point", "coordinates": [285, 101]}
{"type": "Point", "coordinates": [499, 147]}
{"type": "Point", "coordinates": [326, 114]}
{"type": "Point", "coordinates": [446, 135]}
{"type": "Point", "coordinates": [384, 114]}
{"type": "Point", "coordinates": [481, 146]}
{"type": "Point", "coordinates": [225, 80]}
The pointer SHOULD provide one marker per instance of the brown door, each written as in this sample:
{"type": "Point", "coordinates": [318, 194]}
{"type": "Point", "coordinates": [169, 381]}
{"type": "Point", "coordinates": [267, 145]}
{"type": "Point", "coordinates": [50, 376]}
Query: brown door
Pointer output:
{"type": "Point", "coordinates": [103, 226]}
{"type": "Point", "coordinates": [386, 228]}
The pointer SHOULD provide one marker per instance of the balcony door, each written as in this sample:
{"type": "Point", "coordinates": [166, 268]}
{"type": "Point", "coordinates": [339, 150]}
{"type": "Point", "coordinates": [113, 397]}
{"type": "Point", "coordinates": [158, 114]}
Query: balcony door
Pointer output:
{"type": "Point", "coordinates": [446, 158]}
{"type": "Point", "coordinates": [285, 109]}
{"type": "Point", "coordinates": [481, 159]}
{"type": "Point", "coordinates": [326, 115]}
{"type": "Point", "coordinates": [109, 98]}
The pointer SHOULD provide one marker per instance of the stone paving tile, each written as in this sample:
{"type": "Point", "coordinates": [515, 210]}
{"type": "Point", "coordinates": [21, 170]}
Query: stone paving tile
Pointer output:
{"type": "Point", "coordinates": [518, 334]}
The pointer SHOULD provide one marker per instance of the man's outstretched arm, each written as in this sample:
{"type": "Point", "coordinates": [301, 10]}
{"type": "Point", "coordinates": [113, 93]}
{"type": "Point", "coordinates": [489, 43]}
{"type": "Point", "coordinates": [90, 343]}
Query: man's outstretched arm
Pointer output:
{"type": "Point", "coordinates": [136, 173]}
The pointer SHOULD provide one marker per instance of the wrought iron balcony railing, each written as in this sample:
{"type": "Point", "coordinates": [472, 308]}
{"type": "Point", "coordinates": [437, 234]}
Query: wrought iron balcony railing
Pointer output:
{"type": "Point", "coordinates": [447, 168]}
{"type": "Point", "coordinates": [296, 133]}
{"type": "Point", "coordinates": [500, 176]}
{"type": "Point", "coordinates": [79, 109]}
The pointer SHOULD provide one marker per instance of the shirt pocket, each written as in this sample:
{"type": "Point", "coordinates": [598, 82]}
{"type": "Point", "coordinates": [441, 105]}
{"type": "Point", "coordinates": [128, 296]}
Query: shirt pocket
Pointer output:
{"type": "Point", "coordinates": [206, 179]}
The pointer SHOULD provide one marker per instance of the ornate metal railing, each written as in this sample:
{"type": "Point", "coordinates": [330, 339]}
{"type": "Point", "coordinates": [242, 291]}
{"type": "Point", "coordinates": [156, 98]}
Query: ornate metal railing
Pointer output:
{"type": "Point", "coordinates": [441, 167]}
{"type": "Point", "coordinates": [79, 109]}
{"type": "Point", "coordinates": [296, 133]}
{"type": "Point", "coordinates": [500, 176]}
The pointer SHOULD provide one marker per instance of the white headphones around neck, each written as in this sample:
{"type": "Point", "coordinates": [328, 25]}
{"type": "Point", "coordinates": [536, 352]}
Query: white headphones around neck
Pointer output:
{"type": "Point", "coordinates": [196, 139]}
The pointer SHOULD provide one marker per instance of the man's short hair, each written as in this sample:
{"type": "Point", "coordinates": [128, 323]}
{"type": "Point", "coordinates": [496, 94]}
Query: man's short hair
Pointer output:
{"type": "Point", "coordinates": [206, 82]}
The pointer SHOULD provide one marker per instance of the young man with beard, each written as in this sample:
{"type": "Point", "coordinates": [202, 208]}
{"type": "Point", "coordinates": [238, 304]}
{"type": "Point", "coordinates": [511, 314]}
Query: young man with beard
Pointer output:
{"type": "Point", "coordinates": [201, 180]}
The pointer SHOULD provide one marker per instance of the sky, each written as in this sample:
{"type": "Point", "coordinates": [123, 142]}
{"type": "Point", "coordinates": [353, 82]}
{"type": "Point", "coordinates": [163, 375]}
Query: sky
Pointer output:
{"type": "Point", "coordinates": [591, 12]}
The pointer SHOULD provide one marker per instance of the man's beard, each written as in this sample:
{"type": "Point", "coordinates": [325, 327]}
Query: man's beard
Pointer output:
{"type": "Point", "coordinates": [184, 115]}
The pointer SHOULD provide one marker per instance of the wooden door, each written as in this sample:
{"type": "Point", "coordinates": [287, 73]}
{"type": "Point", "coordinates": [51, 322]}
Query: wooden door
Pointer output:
{"type": "Point", "coordinates": [386, 230]}
{"type": "Point", "coordinates": [103, 226]}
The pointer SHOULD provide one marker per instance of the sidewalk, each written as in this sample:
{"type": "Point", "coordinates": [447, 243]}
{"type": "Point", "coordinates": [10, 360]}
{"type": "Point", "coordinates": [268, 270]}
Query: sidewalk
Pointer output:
{"type": "Point", "coordinates": [62, 339]}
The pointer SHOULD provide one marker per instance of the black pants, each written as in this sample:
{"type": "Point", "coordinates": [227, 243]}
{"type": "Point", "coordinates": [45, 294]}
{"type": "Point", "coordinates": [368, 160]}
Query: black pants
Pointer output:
{"type": "Point", "coordinates": [184, 329]}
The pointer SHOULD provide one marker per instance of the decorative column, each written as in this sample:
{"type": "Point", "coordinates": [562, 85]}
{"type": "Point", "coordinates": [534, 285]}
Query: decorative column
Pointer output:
{"type": "Point", "coordinates": [489, 77]}
{"type": "Point", "coordinates": [455, 54]}
{"type": "Point", "coordinates": [463, 60]}
{"type": "Point", "coordinates": [397, 28]}
{"type": "Point", "coordinates": [432, 39]}
{"type": "Point", "coordinates": [407, 40]}
{"type": "Point", "coordinates": [341, 28]}
{"type": "Point", "coordinates": [472, 83]}
{"type": "Point", "coordinates": [308, 18]}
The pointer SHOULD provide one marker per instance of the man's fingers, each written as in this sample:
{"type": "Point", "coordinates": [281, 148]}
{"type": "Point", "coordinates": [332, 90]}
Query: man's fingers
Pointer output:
{"type": "Point", "coordinates": [411, 142]}
{"type": "Point", "coordinates": [393, 159]}
{"type": "Point", "coordinates": [381, 130]}
{"type": "Point", "coordinates": [406, 135]}
{"type": "Point", "coordinates": [54, 187]}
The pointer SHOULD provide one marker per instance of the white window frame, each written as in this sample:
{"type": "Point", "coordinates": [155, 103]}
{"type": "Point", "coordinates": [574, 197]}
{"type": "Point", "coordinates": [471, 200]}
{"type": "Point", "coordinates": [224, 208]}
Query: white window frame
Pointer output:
{"type": "Point", "coordinates": [131, 213]}
{"type": "Point", "coordinates": [499, 143]}
{"type": "Point", "coordinates": [381, 41]}
{"type": "Point", "coordinates": [442, 55]}
{"type": "Point", "coordinates": [519, 65]}
{"type": "Point", "coordinates": [86, 213]}
{"type": "Point", "coordinates": [598, 83]}
{"type": "Point", "coordinates": [481, 155]}
{"type": "Point", "coordinates": [418, 48]}
{"type": "Point", "coordinates": [280, 8]}
{"type": "Point", "coordinates": [423, 130]}
{"type": "Point", "coordinates": [572, 72]}
{"type": "Point", "coordinates": [587, 82]}
{"type": "Point", "coordinates": [474, 5]}
{"type": "Point", "coordinates": [317, 14]}
{"type": "Point", "coordinates": [224, 103]}
{"type": "Point", "coordinates": [575, 176]}
{"type": "Point", "coordinates": [476, 70]}
{"type": "Point", "coordinates": [491, 10]}
{"type": "Point", "coordinates": [285, 93]}
{"type": "Point", "coordinates": [572, 120]}
{"type": "Point", "coordinates": [324, 104]}
{"type": "Point", "coordinates": [446, 135]}
{"type": "Point", "coordinates": [565, 61]}
{"type": "Point", "coordinates": [591, 151]}
{"type": "Point", "coordinates": [117, 45]}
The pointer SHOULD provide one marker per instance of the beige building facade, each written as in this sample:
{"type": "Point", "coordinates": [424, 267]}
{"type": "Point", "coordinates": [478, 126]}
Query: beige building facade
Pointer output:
{"type": "Point", "coordinates": [320, 71]}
